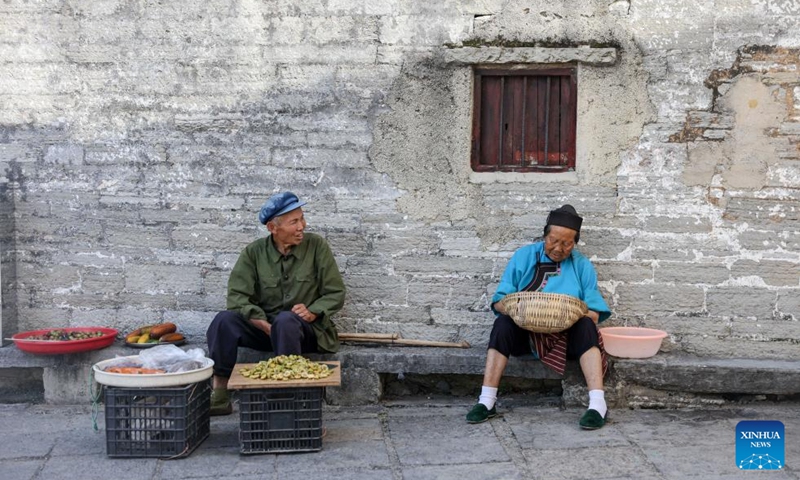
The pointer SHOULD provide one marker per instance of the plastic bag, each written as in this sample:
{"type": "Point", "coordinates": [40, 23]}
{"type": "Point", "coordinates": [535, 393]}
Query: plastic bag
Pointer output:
{"type": "Point", "coordinates": [172, 359]}
{"type": "Point", "coordinates": [120, 361]}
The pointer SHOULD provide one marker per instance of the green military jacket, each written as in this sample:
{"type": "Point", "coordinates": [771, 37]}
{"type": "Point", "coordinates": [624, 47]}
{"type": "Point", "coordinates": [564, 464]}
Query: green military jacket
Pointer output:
{"type": "Point", "coordinates": [263, 282]}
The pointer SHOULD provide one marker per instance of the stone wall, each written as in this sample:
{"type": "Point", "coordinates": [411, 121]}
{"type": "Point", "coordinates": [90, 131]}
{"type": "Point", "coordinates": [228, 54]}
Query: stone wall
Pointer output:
{"type": "Point", "coordinates": [138, 138]}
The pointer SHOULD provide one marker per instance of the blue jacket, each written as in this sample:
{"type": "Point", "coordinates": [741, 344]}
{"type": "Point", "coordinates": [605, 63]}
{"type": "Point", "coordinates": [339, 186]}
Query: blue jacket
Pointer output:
{"type": "Point", "coordinates": [575, 276]}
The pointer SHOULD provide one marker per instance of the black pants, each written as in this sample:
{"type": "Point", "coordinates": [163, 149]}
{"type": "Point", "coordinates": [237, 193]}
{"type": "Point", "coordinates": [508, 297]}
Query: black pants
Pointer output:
{"type": "Point", "coordinates": [229, 331]}
{"type": "Point", "coordinates": [509, 339]}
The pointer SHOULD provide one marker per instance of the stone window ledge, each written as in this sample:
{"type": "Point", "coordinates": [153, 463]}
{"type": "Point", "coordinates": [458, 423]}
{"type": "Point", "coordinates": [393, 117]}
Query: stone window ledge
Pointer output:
{"type": "Point", "coordinates": [501, 55]}
{"type": "Point", "coordinates": [530, 177]}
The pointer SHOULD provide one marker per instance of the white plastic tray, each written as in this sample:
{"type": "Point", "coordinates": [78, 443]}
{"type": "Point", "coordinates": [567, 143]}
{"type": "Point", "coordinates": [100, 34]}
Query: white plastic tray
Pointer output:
{"type": "Point", "coordinates": [149, 381]}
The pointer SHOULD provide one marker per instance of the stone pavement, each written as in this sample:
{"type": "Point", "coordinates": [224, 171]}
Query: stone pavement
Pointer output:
{"type": "Point", "coordinates": [417, 438]}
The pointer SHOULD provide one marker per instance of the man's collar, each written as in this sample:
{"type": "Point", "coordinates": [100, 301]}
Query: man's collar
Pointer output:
{"type": "Point", "coordinates": [274, 255]}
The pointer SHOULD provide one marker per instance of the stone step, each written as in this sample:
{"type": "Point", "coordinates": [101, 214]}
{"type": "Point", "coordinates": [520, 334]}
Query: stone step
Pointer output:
{"type": "Point", "coordinates": [712, 375]}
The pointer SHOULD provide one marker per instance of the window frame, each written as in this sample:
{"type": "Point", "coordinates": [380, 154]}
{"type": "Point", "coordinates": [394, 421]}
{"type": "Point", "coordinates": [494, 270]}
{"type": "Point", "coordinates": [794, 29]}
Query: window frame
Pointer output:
{"type": "Point", "coordinates": [567, 156]}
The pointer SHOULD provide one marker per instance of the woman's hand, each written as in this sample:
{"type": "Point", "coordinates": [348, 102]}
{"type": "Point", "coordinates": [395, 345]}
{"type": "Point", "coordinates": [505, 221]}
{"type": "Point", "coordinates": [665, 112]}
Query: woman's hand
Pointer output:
{"type": "Point", "coordinates": [499, 307]}
{"type": "Point", "coordinates": [594, 316]}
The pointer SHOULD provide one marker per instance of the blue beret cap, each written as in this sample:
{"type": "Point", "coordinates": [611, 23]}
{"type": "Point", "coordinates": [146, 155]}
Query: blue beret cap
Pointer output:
{"type": "Point", "coordinates": [278, 204]}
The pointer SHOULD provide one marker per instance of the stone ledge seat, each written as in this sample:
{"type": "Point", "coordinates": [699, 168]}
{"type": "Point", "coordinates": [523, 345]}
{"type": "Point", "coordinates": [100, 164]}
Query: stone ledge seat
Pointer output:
{"type": "Point", "coordinates": [65, 377]}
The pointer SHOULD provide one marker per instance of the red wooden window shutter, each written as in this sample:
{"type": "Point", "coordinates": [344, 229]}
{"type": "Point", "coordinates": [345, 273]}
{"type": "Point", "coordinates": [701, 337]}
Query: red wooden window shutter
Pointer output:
{"type": "Point", "coordinates": [524, 120]}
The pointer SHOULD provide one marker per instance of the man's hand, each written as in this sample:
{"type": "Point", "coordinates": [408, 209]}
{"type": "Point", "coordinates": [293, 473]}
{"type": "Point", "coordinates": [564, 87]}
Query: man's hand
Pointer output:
{"type": "Point", "coordinates": [304, 313]}
{"type": "Point", "coordinates": [262, 325]}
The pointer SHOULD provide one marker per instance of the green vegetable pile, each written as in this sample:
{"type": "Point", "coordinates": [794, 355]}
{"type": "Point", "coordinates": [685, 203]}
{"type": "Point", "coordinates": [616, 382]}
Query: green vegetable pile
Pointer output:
{"type": "Point", "coordinates": [286, 367]}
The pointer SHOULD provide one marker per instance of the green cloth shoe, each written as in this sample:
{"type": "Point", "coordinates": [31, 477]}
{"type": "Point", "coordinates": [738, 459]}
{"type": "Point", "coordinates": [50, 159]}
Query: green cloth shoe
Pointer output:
{"type": "Point", "coordinates": [220, 402]}
{"type": "Point", "coordinates": [480, 413]}
{"type": "Point", "coordinates": [591, 420]}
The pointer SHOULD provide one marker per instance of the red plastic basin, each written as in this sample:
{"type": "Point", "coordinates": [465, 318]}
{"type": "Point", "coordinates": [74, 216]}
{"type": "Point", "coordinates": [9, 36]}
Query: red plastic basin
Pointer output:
{"type": "Point", "coordinates": [57, 347]}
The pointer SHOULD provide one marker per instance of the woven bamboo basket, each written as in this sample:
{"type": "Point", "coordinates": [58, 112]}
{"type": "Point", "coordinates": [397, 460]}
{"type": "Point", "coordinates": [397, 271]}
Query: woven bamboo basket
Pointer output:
{"type": "Point", "coordinates": [544, 312]}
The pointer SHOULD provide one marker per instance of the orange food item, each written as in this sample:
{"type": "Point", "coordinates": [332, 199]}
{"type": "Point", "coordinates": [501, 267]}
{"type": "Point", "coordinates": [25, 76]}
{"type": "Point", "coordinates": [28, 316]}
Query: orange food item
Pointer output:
{"type": "Point", "coordinates": [159, 330]}
{"type": "Point", "coordinates": [171, 337]}
{"type": "Point", "coordinates": [134, 370]}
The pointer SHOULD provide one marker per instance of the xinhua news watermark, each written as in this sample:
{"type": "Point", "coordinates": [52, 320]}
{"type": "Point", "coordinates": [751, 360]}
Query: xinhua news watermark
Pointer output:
{"type": "Point", "coordinates": [760, 445]}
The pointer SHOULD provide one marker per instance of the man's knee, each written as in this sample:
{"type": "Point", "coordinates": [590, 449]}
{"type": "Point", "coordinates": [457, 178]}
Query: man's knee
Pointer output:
{"type": "Point", "coordinates": [285, 319]}
{"type": "Point", "coordinates": [222, 322]}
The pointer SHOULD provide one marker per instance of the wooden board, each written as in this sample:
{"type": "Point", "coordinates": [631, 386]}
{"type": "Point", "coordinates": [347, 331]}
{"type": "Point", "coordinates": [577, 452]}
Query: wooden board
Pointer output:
{"type": "Point", "coordinates": [238, 382]}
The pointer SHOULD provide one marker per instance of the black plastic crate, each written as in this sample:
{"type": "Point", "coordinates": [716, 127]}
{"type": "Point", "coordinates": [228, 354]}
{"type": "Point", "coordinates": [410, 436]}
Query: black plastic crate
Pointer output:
{"type": "Point", "coordinates": [280, 420]}
{"type": "Point", "coordinates": [167, 422]}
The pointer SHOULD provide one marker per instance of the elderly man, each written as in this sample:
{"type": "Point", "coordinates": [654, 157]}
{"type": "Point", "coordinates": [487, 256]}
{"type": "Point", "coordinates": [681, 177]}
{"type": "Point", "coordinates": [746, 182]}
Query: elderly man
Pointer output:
{"type": "Point", "coordinates": [282, 293]}
{"type": "Point", "coordinates": [552, 265]}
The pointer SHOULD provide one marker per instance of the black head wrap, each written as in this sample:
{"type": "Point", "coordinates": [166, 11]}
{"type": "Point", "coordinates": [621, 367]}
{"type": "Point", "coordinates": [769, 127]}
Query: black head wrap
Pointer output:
{"type": "Point", "coordinates": [565, 216]}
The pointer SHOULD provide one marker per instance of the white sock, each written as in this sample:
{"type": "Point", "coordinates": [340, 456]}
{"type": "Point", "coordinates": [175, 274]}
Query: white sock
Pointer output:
{"type": "Point", "coordinates": [597, 402]}
{"type": "Point", "coordinates": [488, 396]}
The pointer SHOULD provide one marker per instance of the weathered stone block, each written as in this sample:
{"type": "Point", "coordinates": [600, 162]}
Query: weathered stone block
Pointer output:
{"type": "Point", "coordinates": [661, 248]}
{"type": "Point", "coordinates": [215, 281]}
{"type": "Point", "coordinates": [21, 385]}
{"type": "Point", "coordinates": [366, 265]}
{"type": "Point", "coordinates": [783, 7]}
{"type": "Point", "coordinates": [766, 329]}
{"type": "Point", "coordinates": [443, 266]}
{"type": "Point", "coordinates": [161, 279]}
{"type": "Point", "coordinates": [36, 318]}
{"type": "Point", "coordinates": [342, 29]}
{"type": "Point", "coordinates": [125, 154]}
{"type": "Point", "coordinates": [377, 290]}
{"type": "Point", "coordinates": [211, 238]}
{"type": "Point", "coordinates": [64, 154]}
{"type": "Point", "coordinates": [66, 384]}
{"type": "Point", "coordinates": [423, 30]}
{"type": "Point", "coordinates": [626, 272]}
{"type": "Point", "coordinates": [774, 273]}
{"type": "Point", "coordinates": [446, 292]}
{"type": "Point", "coordinates": [436, 333]}
{"type": "Point", "coordinates": [336, 54]}
{"type": "Point", "coordinates": [141, 236]}
{"type": "Point", "coordinates": [761, 214]}
{"type": "Point", "coordinates": [403, 243]}
{"type": "Point", "coordinates": [678, 224]}
{"type": "Point", "coordinates": [677, 327]}
{"type": "Point", "coordinates": [788, 305]}
{"type": "Point", "coordinates": [316, 158]}
{"type": "Point", "coordinates": [606, 244]}
{"type": "Point", "coordinates": [769, 240]}
{"type": "Point", "coordinates": [102, 280]}
{"type": "Point", "coordinates": [712, 273]}
{"type": "Point", "coordinates": [125, 318]}
{"type": "Point", "coordinates": [741, 302]}
{"type": "Point", "coordinates": [658, 299]}
{"type": "Point", "coordinates": [56, 279]}
{"type": "Point", "coordinates": [476, 335]}
{"type": "Point", "coordinates": [208, 302]}
{"type": "Point", "coordinates": [360, 386]}
{"type": "Point", "coordinates": [193, 324]}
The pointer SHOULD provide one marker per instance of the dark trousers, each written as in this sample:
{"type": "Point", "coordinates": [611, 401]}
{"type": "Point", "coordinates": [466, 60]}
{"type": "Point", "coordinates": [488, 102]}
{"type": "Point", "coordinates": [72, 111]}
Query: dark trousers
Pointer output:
{"type": "Point", "coordinates": [509, 339]}
{"type": "Point", "coordinates": [229, 331]}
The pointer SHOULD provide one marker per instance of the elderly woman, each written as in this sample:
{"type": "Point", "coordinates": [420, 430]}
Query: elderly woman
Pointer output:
{"type": "Point", "coordinates": [552, 265]}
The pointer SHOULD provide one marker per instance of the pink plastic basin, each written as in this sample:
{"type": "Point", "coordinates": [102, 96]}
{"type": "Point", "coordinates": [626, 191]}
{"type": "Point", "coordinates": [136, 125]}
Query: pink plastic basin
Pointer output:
{"type": "Point", "coordinates": [632, 342]}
